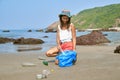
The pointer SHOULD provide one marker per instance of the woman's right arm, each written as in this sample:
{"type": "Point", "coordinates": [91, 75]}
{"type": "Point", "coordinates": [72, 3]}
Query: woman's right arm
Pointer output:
{"type": "Point", "coordinates": [58, 39]}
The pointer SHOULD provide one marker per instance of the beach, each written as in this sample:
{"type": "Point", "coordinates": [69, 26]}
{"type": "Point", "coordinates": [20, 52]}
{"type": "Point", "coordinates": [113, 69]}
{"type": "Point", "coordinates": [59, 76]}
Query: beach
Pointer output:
{"type": "Point", "coordinates": [98, 62]}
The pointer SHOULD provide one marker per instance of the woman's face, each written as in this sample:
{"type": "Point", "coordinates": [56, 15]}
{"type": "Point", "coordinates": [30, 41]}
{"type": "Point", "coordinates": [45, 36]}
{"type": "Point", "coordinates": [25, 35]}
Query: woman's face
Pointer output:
{"type": "Point", "coordinates": [65, 19]}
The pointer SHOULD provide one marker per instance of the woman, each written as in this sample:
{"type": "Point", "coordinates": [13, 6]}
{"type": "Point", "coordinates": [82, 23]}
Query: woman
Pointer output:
{"type": "Point", "coordinates": [66, 35]}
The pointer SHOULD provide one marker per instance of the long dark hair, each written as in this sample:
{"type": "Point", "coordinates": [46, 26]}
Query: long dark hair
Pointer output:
{"type": "Point", "coordinates": [61, 22]}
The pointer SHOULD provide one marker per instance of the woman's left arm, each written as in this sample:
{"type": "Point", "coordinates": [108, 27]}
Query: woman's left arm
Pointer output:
{"type": "Point", "coordinates": [73, 36]}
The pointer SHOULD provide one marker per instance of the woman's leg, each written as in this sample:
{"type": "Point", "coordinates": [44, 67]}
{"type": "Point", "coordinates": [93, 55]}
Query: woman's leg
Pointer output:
{"type": "Point", "coordinates": [52, 52]}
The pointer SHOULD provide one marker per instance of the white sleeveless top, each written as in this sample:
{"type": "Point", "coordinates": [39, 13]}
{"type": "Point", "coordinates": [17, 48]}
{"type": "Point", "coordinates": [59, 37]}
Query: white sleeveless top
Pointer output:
{"type": "Point", "coordinates": [65, 35]}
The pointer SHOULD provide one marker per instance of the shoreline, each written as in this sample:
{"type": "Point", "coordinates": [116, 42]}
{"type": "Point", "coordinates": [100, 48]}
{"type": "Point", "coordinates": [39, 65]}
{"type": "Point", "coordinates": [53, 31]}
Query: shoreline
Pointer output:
{"type": "Point", "coordinates": [49, 42]}
{"type": "Point", "coordinates": [93, 63]}
{"type": "Point", "coordinates": [39, 47]}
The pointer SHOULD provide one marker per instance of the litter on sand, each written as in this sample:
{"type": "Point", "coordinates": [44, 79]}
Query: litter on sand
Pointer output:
{"type": "Point", "coordinates": [40, 76]}
{"type": "Point", "coordinates": [28, 64]}
{"type": "Point", "coordinates": [43, 75]}
{"type": "Point", "coordinates": [41, 58]}
{"type": "Point", "coordinates": [45, 62]}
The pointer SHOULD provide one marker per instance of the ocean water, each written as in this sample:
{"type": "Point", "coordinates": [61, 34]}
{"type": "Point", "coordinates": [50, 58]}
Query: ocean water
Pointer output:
{"type": "Point", "coordinates": [114, 37]}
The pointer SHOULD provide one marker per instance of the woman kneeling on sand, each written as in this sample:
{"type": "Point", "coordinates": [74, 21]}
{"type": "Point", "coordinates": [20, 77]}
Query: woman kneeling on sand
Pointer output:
{"type": "Point", "coordinates": [66, 35]}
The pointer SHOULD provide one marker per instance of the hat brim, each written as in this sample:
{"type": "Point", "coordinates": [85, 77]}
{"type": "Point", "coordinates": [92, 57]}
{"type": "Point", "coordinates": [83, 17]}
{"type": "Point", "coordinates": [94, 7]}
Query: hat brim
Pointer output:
{"type": "Point", "coordinates": [65, 15]}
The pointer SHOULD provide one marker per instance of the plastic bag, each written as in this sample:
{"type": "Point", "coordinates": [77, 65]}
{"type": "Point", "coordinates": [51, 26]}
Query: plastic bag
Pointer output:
{"type": "Point", "coordinates": [66, 58]}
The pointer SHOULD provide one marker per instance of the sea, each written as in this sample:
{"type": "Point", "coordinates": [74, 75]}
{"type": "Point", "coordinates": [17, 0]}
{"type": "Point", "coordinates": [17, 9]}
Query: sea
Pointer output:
{"type": "Point", "coordinates": [49, 42]}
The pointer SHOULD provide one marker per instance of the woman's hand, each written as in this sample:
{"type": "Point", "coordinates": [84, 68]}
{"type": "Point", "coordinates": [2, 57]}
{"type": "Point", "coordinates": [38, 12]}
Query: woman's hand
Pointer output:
{"type": "Point", "coordinates": [59, 47]}
{"type": "Point", "coordinates": [74, 49]}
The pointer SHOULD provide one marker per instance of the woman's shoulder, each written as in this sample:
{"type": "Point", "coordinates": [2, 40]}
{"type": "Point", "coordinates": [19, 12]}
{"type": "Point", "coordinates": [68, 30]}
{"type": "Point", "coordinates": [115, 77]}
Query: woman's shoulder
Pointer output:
{"type": "Point", "coordinates": [58, 27]}
{"type": "Point", "coordinates": [72, 25]}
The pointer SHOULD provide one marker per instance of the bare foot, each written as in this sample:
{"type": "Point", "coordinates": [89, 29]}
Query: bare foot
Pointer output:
{"type": "Point", "coordinates": [56, 62]}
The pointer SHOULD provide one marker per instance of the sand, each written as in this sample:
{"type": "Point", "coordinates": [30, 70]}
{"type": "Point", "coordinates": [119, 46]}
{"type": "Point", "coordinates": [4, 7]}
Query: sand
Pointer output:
{"type": "Point", "coordinates": [93, 63]}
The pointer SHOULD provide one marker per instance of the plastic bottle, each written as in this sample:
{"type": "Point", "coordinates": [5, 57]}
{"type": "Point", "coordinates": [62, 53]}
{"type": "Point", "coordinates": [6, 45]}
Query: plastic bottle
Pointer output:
{"type": "Point", "coordinates": [46, 72]}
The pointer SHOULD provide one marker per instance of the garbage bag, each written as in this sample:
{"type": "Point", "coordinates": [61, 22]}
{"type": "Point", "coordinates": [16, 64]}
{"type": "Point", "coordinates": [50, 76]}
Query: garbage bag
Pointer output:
{"type": "Point", "coordinates": [66, 58]}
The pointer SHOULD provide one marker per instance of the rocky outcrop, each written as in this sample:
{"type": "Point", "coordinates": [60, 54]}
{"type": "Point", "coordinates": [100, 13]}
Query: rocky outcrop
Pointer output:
{"type": "Point", "coordinates": [117, 50]}
{"type": "Point", "coordinates": [53, 27]}
{"type": "Point", "coordinates": [95, 37]}
{"type": "Point", "coordinates": [5, 40]}
{"type": "Point", "coordinates": [28, 41]}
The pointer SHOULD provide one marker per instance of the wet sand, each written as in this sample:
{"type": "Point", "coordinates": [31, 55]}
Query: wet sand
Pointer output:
{"type": "Point", "coordinates": [93, 63]}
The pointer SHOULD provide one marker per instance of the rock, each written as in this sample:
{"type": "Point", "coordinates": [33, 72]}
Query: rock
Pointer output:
{"type": "Point", "coordinates": [29, 49]}
{"type": "Point", "coordinates": [45, 36]}
{"type": "Point", "coordinates": [105, 34]}
{"type": "Point", "coordinates": [80, 30]}
{"type": "Point", "coordinates": [95, 37]}
{"type": "Point", "coordinates": [6, 30]}
{"type": "Point", "coordinates": [5, 40]}
{"type": "Point", "coordinates": [28, 41]}
{"type": "Point", "coordinates": [52, 27]}
{"type": "Point", "coordinates": [41, 30]}
{"type": "Point", "coordinates": [29, 31]}
{"type": "Point", "coordinates": [117, 50]}
{"type": "Point", "coordinates": [50, 30]}
{"type": "Point", "coordinates": [21, 40]}
{"type": "Point", "coordinates": [108, 29]}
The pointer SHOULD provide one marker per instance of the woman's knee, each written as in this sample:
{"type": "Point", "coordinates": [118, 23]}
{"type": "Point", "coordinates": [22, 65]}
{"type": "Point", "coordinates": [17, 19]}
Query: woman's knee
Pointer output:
{"type": "Point", "coordinates": [47, 54]}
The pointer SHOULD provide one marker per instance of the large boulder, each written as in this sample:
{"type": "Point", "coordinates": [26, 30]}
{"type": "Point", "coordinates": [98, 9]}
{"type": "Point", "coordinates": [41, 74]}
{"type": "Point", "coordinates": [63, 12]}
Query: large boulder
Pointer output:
{"type": "Point", "coordinates": [5, 40]}
{"type": "Point", "coordinates": [28, 41]}
{"type": "Point", "coordinates": [95, 37]}
{"type": "Point", "coordinates": [117, 50]}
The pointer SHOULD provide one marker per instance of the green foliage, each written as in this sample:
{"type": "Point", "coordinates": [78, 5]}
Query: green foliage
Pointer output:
{"type": "Point", "coordinates": [98, 17]}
